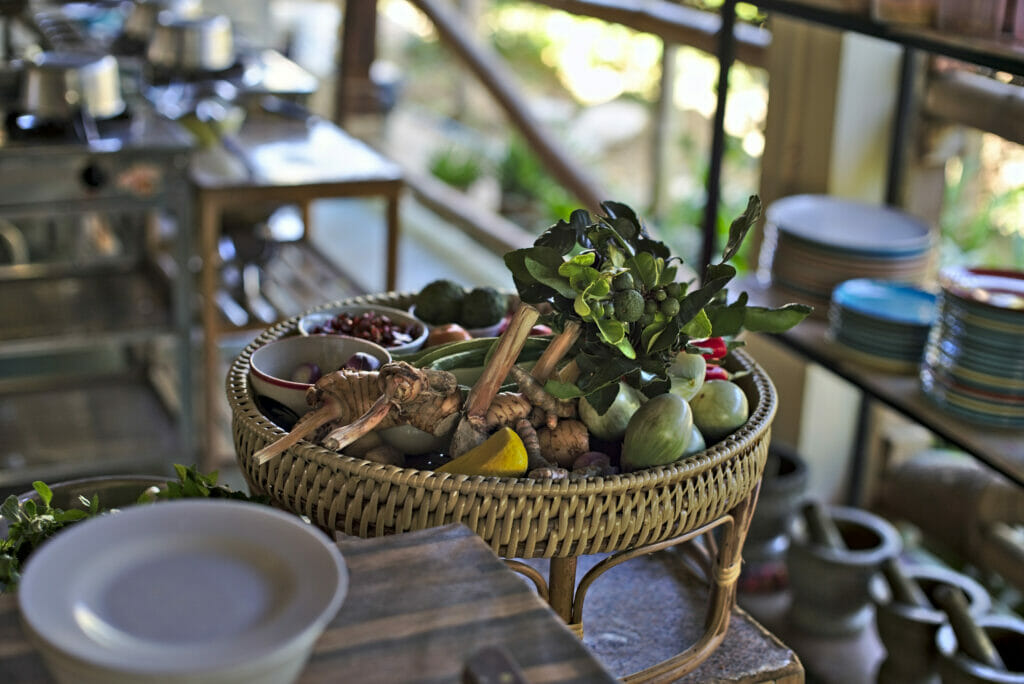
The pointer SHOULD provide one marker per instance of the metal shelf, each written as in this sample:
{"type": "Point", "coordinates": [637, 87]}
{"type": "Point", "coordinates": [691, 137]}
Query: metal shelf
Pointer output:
{"type": "Point", "coordinates": [84, 428]}
{"type": "Point", "coordinates": [60, 314]}
{"type": "Point", "coordinates": [1000, 448]}
{"type": "Point", "coordinates": [1002, 54]}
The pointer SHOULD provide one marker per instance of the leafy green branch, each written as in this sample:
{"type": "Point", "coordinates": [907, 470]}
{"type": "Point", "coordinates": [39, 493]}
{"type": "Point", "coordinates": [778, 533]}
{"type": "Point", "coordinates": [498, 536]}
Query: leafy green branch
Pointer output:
{"type": "Point", "coordinates": [608, 274]}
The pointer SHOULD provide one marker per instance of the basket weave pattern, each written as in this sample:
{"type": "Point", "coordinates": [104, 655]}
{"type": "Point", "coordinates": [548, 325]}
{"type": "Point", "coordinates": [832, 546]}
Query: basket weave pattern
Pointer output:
{"type": "Point", "coordinates": [519, 518]}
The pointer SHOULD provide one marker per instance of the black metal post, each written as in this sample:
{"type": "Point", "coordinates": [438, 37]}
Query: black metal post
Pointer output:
{"type": "Point", "coordinates": [726, 56]}
{"type": "Point", "coordinates": [901, 127]}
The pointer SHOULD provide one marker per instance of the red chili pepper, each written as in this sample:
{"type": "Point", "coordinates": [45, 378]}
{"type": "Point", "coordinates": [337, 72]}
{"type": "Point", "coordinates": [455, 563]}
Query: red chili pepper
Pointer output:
{"type": "Point", "coordinates": [714, 372]}
{"type": "Point", "coordinates": [712, 348]}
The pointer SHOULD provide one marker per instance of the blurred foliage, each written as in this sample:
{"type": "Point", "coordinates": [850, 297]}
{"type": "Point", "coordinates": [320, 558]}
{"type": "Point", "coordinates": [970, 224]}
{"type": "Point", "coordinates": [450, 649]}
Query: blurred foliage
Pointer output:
{"type": "Point", "coordinates": [524, 180]}
{"type": "Point", "coordinates": [981, 223]}
{"type": "Point", "coordinates": [457, 166]}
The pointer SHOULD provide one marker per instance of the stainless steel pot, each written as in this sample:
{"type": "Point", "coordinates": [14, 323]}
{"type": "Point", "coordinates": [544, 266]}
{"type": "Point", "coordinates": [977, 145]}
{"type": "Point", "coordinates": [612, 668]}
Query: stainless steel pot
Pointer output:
{"type": "Point", "coordinates": [181, 44]}
{"type": "Point", "coordinates": [58, 85]}
{"type": "Point", "coordinates": [143, 14]}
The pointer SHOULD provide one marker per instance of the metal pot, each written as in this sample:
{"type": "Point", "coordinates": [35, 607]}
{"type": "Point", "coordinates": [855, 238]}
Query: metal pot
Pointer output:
{"type": "Point", "coordinates": [181, 44]}
{"type": "Point", "coordinates": [58, 85]}
{"type": "Point", "coordinates": [142, 19]}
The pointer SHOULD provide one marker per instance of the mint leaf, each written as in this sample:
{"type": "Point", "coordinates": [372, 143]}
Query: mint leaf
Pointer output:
{"type": "Point", "coordinates": [45, 495]}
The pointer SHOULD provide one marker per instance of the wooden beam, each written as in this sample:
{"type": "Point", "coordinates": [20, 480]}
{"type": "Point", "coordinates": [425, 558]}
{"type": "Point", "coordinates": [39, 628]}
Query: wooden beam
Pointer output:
{"type": "Point", "coordinates": [978, 102]}
{"type": "Point", "coordinates": [486, 227]}
{"type": "Point", "coordinates": [673, 23]}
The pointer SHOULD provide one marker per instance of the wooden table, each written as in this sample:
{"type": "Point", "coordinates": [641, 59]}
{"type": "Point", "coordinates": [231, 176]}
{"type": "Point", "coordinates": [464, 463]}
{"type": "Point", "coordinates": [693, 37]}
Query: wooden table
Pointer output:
{"type": "Point", "coordinates": [276, 159]}
{"type": "Point", "coordinates": [419, 604]}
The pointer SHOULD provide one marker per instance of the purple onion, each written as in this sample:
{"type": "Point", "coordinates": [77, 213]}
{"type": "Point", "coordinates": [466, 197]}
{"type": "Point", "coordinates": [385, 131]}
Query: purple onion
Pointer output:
{"type": "Point", "coordinates": [361, 361]}
{"type": "Point", "coordinates": [306, 373]}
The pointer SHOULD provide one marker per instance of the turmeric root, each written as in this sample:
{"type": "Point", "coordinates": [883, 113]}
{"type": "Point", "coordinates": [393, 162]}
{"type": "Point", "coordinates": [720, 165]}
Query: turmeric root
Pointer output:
{"type": "Point", "coordinates": [506, 410]}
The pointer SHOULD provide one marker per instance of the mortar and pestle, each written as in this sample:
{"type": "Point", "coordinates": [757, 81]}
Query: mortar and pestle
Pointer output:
{"type": "Point", "coordinates": [833, 554]}
{"type": "Point", "coordinates": [983, 650]}
{"type": "Point", "coordinates": [908, 617]}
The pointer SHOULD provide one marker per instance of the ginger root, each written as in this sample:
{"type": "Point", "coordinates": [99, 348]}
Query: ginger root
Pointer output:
{"type": "Point", "coordinates": [563, 443]}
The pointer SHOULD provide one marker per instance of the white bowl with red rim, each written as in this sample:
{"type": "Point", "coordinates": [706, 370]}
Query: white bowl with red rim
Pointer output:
{"type": "Point", "coordinates": [276, 367]}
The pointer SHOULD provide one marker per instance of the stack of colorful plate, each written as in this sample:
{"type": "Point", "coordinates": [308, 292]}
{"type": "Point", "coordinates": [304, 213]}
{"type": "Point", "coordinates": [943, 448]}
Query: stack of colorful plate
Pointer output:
{"type": "Point", "coordinates": [974, 360]}
{"type": "Point", "coordinates": [881, 324]}
{"type": "Point", "coordinates": [814, 242]}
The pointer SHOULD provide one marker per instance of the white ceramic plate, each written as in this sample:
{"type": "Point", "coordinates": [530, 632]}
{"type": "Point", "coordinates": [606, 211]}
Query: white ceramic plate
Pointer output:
{"type": "Point", "coordinates": [183, 587]}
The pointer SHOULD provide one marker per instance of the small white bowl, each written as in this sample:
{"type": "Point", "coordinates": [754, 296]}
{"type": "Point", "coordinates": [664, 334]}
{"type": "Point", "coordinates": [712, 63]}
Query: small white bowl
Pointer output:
{"type": "Point", "coordinates": [196, 591]}
{"type": "Point", "coordinates": [311, 321]}
{"type": "Point", "coordinates": [272, 365]}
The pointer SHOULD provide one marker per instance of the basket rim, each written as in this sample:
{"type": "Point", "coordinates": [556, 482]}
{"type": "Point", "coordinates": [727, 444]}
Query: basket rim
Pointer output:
{"type": "Point", "coordinates": [245, 413]}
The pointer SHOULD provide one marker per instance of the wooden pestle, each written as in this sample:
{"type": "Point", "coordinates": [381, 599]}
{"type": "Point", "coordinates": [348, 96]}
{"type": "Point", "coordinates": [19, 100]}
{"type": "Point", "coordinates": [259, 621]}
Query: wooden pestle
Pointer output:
{"type": "Point", "coordinates": [821, 530]}
{"type": "Point", "coordinates": [904, 589]}
{"type": "Point", "coordinates": [970, 637]}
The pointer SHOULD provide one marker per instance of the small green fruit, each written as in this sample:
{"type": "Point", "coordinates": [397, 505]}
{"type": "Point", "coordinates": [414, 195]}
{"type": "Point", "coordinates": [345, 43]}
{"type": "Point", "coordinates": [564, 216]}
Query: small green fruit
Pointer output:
{"type": "Point", "coordinates": [686, 373]}
{"type": "Point", "coordinates": [611, 425]}
{"type": "Point", "coordinates": [658, 433]}
{"type": "Point", "coordinates": [629, 305]}
{"type": "Point", "coordinates": [623, 281]}
{"type": "Point", "coordinates": [697, 443]}
{"type": "Point", "coordinates": [719, 408]}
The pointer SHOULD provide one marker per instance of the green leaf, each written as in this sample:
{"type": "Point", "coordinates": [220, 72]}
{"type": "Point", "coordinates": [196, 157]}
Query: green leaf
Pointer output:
{"type": "Point", "coordinates": [577, 263]}
{"type": "Point", "coordinates": [699, 326]}
{"type": "Point", "coordinates": [562, 236]}
{"type": "Point", "coordinates": [612, 332]}
{"type": "Point", "coordinates": [543, 264]}
{"type": "Point", "coordinates": [601, 399]}
{"type": "Point", "coordinates": [668, 276]}
{"type": "Point", "coordinates": [645, 267]}
{"type": "Point", "coordinates": [71, 515]}
{"type": "Point", "coordinates": [716, 277]}
{"type": "Point", "coordinates": [562, 390]}
{"type": "Point", "coordinates": [580, 306]}
{"type": "Point", "coordinates": [44, 492]}
{"type": "Point", "coordinates": [29, 507]}
{"type": "Point", "coordinates": [10, 508]}
{"type": "Point", "coordinates": [666, 340]}
{"type": "Point", "coordinates": [740, 226]}
{"type": "Point", "coordinates": [727, 320]}
{"type": "Point", "coordinates": [762, 319]}
{"type": "Point", "coordinates": [650, 333]}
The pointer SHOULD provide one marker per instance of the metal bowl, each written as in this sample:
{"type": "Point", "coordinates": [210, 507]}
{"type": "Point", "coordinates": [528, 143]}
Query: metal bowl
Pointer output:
{"type": "Point", "coordinates": [58, 85]}
{"type": "Point", "coordinates": [113, 491]}
{"type": "Point", "coordinates": [183, 44]}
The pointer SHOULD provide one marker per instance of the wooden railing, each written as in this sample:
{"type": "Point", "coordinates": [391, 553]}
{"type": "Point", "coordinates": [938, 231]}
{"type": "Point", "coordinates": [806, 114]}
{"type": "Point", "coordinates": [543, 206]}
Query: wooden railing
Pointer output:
{"type": "Point", "coordinates": [958, 98]}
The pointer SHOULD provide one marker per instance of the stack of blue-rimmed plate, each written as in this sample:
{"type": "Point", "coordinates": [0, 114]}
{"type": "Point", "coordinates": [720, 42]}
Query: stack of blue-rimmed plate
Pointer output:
{"type": "Point", "coordinates": [974, 360]}
{"type": "Point", "coordinates": [880, 323]}
{"type": "Point", "coordinates": [814, 242]}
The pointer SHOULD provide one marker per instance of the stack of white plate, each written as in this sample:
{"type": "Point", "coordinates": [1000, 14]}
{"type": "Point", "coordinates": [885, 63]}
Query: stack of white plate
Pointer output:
{"type": "Point", "coordinates": [881, 324]}
{"type": "Point", "coordinates": [974, 360]}
{"type": "Point", "coordinates": [814, 242]}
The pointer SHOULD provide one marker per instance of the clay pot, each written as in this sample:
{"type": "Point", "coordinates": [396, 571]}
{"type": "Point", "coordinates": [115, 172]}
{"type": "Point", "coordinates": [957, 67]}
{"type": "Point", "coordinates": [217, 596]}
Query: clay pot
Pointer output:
{"type": "Point", "coordinates": [829, 587]}
{"type": "Point", "coordinates": [1006, 632]}
{"type": "Point", "coordinates": [782, 489]}
{"type": "Point", "coordinates": [908, 631]}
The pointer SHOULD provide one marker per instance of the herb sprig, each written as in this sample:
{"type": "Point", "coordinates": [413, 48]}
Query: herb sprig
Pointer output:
{"type": "Point", "coordinates": [598, 270]}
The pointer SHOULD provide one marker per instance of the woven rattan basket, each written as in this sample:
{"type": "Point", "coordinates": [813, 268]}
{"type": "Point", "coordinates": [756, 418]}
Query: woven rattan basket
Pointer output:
{"type": "Point", "coordinates": [519, 518]}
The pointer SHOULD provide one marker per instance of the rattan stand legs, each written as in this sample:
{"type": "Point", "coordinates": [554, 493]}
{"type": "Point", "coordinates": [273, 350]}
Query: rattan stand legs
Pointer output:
{"type": "Point", "coordinates": [715, 559]}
